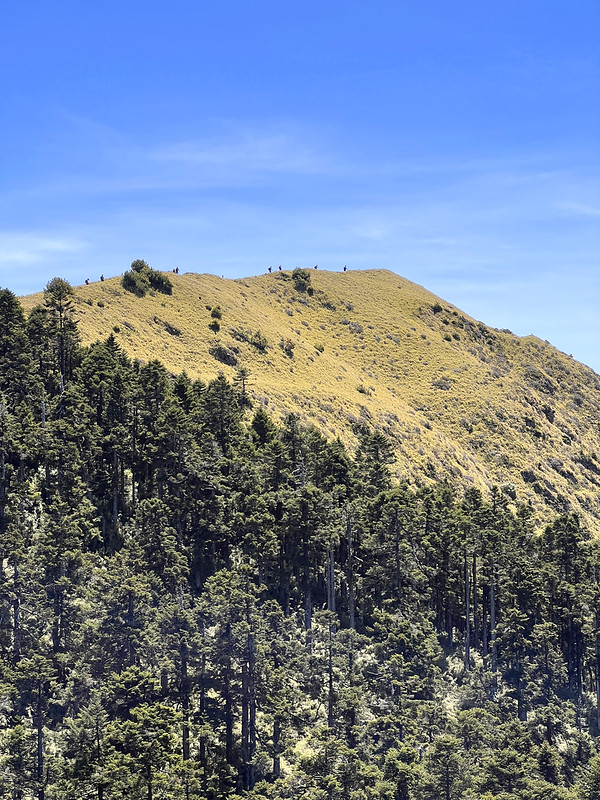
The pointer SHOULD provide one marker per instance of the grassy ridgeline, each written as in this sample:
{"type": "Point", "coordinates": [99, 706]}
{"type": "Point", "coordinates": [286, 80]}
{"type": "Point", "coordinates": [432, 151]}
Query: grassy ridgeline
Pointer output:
{"type": "Point", "coordinates": [459, 400]}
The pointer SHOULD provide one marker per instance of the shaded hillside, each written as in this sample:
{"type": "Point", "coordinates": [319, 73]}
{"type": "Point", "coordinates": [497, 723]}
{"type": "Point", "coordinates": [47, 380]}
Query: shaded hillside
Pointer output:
{"type": "Point", "coordinates": [458, 399]}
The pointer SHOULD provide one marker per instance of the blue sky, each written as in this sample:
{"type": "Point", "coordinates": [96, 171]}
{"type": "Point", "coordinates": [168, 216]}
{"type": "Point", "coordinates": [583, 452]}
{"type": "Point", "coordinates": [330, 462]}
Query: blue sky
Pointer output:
{"type": "Point", "coordinates": [454, 143]}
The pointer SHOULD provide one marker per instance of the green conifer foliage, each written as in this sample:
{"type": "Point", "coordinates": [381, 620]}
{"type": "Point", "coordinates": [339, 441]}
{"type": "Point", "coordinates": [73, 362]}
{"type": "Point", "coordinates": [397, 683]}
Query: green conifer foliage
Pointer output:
{"type": "Point", "coordinates": [200, 601]}
{"type": "Point", "coordinates": [58, 300]}
{"type": "Point", "coordinates": [18, 382]}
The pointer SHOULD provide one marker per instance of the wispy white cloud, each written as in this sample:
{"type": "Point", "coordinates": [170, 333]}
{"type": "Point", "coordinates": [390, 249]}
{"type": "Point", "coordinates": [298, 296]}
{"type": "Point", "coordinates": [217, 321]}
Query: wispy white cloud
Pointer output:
{"type": "Point", "coordinates": [275, 146]}
{"type": "Point", "coordinates": [261, 151]}
{"type": "Point", "coordinates": [24, 249]}
{"type": "Point", "coordinates": [580, 209]}
{"type": "Point", "coordinates": [97, 160]}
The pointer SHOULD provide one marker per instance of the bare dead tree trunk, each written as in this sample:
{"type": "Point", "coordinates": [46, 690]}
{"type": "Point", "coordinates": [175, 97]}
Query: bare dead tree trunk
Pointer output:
{"type": "Point", "coordinates": [40, 743]}
{"type": "Point", "coordinates": [475, 609]}
{"type": "Point", "coordinates": [493, 647]}
{"type": "Point", "coordinates": [331, 579]}
{"type": "Point", "coordinates": [351, 608]}
{"type": "Point", "coordinates": [330, 698]}
{"type": "Point", "coordinates": [467, 614]}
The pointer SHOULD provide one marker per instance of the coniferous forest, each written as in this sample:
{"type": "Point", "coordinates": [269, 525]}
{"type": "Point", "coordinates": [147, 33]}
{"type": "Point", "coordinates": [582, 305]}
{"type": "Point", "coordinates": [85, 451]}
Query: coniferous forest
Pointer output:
{"type": "Point", "coordinates": [200, 601]}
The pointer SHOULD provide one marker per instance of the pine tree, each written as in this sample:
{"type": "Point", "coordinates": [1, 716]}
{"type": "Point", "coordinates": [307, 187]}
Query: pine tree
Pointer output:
{"type": "Point", "coordinates": [18, 381]}
{"type": "Point", "coordinates": [58, 300]}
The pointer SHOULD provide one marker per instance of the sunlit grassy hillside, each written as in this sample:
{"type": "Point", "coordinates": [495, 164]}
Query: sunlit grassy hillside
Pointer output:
{"type": "Point", "coordinates": [458, 399]}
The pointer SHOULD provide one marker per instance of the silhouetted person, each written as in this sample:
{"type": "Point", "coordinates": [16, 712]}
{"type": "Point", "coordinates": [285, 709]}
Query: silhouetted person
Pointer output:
{"type": "Point", "coordinates": [101, 277]}
{"type": "Point", "coordinates": [177, 270]}
{"type": "Point", "coordinates": [270, 269]}
{"type": "Point", "coordinates": [316, 266]}
{"type": "Point", "coordinates": [280, 268]}
{"type": "Point", "coordinates": [87, 281]}
{"type": "Point", "coordinates": [344, 268]}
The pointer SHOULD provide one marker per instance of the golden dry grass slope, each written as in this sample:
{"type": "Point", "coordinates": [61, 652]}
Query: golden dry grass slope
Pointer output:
{"type": "Point", "coordinates": [459, 400]}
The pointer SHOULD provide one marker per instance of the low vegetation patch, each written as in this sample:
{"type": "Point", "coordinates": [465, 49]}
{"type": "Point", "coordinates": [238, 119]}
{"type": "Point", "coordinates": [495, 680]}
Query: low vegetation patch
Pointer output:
{"type": "Point", "coordinates": [170, 329]}
{"type": "Point", "coordinates": [288, 347]}
{"type": "Point", "coordinates": [301, 278]}
{"type": "Point", "coordinates": [224, 354]}
{"type": "Point", "coordinates": [141, 278]}
{"type": "Point", "coordinates": [255, 338]}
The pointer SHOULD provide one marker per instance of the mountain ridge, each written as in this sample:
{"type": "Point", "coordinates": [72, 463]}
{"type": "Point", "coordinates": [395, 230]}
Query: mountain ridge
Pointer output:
{"type": "Point", "coordinates": [458, 399]}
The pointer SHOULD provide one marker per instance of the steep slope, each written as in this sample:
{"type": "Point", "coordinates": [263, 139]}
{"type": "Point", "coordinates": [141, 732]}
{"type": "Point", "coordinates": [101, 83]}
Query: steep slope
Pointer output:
{"type": "Point", "coordinates": [458, 399]}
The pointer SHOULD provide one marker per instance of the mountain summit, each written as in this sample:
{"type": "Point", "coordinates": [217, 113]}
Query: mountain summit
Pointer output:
{"type": "Point", "coordinates": [459, 400]}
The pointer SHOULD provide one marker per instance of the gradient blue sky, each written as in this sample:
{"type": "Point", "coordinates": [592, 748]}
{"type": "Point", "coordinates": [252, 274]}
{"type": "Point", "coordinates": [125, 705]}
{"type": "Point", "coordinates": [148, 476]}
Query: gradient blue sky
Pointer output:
{"type": "Point", "coordinates": [456, 143]}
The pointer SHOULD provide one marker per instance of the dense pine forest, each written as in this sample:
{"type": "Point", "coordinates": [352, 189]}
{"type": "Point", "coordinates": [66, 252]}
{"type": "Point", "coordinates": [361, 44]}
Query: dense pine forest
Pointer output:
{"type": "Point", "coordinates": [200, 601]}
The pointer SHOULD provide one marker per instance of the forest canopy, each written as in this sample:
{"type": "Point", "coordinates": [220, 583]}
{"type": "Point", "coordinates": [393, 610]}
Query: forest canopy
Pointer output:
{"type": "Point", "coordinates": [200, 601]}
